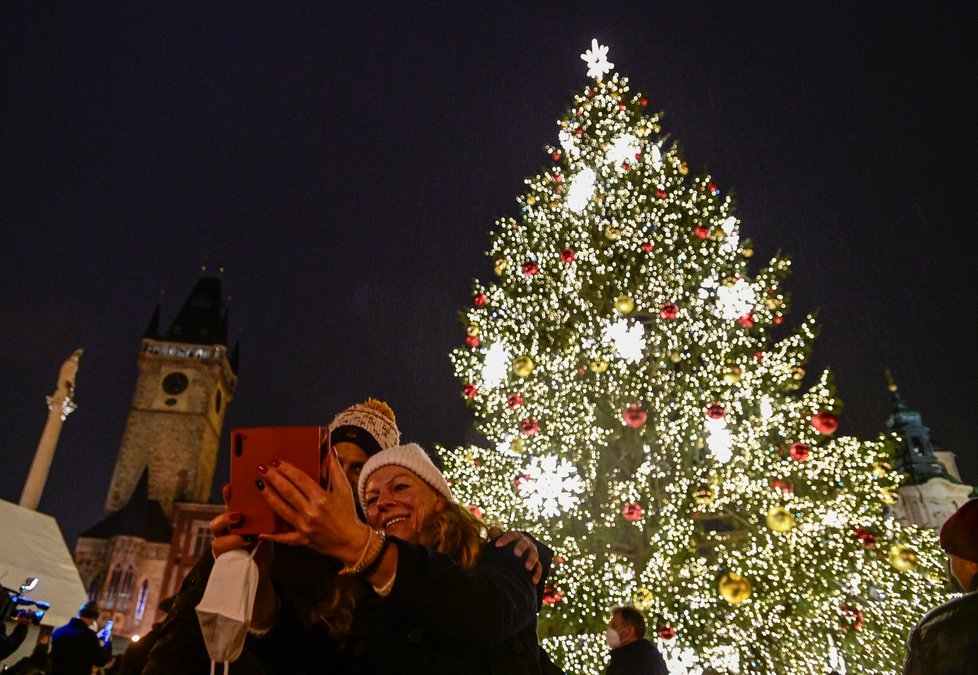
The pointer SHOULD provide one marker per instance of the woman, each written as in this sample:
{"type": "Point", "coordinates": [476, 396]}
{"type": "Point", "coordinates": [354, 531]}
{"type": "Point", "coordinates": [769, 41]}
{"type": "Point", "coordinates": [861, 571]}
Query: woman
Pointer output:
{"type": "Point", "coordinates": [308, 579]}
{"type": "Point", "coordinates": [442, 599]}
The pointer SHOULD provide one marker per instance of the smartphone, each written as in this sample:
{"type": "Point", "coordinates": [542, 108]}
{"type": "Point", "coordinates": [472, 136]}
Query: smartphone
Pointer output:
{"type": "Point", "coordinates": [106, 633]}
{"type": "Point", "coordinates": [302, 446]}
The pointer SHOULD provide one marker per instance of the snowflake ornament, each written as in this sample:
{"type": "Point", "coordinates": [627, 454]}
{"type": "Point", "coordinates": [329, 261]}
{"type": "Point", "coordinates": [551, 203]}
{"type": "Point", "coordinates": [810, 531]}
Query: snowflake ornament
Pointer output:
{"type": "Point", "coordinates": [597, 61]}
{"type": "Point", "coordinates": [496, 366]}
{"type": "Point", "coordinates": [581, 190]}
{"type": "Point", "coordinates": [628, 339]}
{"type": "Point", "coordinates": [553, 486]}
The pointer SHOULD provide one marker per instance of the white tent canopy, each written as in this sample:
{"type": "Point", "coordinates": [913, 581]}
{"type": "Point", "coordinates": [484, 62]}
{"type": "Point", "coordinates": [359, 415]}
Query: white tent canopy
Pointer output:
{"type": "Point", "coordinates": [31, 545]}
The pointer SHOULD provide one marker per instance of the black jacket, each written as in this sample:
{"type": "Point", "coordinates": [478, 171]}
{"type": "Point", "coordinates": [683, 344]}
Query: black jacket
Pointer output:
{"type": "Point", "coordinates": [945, 641]}
{"type": "Point", "coordinates": [440, 618]}
{"type": "Point", "coordinates": [75, 649]}
{"type": "Point", "coordinates": [10, 643]}
{"type": "Point", "coordinates": [638, 658]}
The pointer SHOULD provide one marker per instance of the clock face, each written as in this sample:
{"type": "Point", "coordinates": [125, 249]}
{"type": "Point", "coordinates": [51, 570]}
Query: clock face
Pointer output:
{"type": "Point", "coordinates": [175, 383]}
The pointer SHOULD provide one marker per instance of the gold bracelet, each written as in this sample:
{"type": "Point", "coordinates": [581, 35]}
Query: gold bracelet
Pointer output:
{"type": "Point", "coordinates": [367, 557]}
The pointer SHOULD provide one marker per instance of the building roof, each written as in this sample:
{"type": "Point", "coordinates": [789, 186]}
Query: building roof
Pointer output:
{"type": "Point", "coordinates": [203, 319]}
{"type": "Point", "coordinates": [141, 517]}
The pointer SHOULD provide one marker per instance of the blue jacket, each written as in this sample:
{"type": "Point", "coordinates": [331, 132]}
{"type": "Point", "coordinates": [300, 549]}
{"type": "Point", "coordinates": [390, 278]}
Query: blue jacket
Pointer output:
{"type": "Point", "coordinates": [75, 649]}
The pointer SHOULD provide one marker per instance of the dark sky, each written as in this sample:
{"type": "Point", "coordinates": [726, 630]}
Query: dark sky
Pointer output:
{"type": "Point", "coordinates": [344, 165]}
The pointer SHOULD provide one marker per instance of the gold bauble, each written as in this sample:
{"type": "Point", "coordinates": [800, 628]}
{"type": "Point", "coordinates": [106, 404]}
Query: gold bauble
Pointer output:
{"type": "Point", "coordinates": [516, 445]}
{"type": "Point", "coordinates": [889, 495]}
{"type": "Point", "coordinates": [612, 233]}
{"type": "Point", "coordinates": [780, 519]}
{"type": "Point", "coordinates": [656, 128]}
{"type": "Point", "coordinates": [683, 169]}
{"type": "Point", "coordinates": [730, 282]}
{"type": "Point", "coordinates": [531, 199]}
{"type": "Point", "coordinates": [903, 557]}
{"type": "Point", "coordinates": [772, 303]}
{"type": "Point", "coordinates": [501, 266]}
{"type": "Point", "coordinates": [732, 375]}
{"type": "Point", "coordinates": [473, 329]}
{"type": "Point", "coordinates": [642, 599]}
{"type": "Point", "coordinates": [734, 588]}
{"type": "Point", "coordinates": [797, 373]}
{"type": "Point", "coordinates": [624, 304]}
{"type": "Point", "coordinates": [719, 233]}
{"type": "Point", "coordinates": [599, 364]}
{"type": "Point", "coordinates": [882, 467]}
{"type": "Point", "coordinates": [675, 357]}
{"type": "Point", "coordinates": [703, 495]}
{"type": "Point", "coordinates": [523, 366]}
{"type": "Point", "coordinates": [936, 578]}
{"type": "Point", "coordinates": [748, 252]}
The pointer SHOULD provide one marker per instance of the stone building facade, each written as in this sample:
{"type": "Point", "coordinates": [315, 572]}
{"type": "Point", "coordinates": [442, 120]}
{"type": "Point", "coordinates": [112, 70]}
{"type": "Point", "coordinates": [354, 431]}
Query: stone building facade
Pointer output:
{"type": "Point", "coordinates": [158, 505]}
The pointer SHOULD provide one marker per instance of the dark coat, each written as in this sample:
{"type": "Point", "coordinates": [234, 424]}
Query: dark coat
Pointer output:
{"type": "Point", "coordinates": [440, 618]}
{"type": "Point", "coordinates": [10, 643]}
{"type": "Point", "coordinates": [945, 641]}
{"type": "Point", "coordinates": [638, 658]}
{"type": "Point", "coordinates": [75, 649]}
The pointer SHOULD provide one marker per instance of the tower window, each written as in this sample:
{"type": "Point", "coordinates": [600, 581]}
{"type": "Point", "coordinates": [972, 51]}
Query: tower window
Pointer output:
{"type": "Point", "coordinates": [141, 600]}
{"type": "Point", "coordinates": [217, 401]}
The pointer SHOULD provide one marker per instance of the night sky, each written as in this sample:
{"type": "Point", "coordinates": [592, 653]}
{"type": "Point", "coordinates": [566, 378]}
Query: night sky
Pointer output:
{"type": "Point", "coordinates": [344, 166]}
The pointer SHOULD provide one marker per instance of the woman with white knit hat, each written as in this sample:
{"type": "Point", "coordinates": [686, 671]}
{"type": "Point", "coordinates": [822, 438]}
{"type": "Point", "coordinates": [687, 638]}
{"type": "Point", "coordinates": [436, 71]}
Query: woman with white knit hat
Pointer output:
{"type": "Point", "coordinates": [444, 600]}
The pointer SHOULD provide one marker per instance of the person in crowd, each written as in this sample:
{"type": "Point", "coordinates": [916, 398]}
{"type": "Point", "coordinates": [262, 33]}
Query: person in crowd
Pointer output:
{"type": "Point", "coordinates": [631, 653]}
{"type": "Point", "coordinates": [11, 643]}
{"type": "Point", "coordinates": [945, 641]}
{"type": "Point", "coordinates": [75, 647]}
{"type": "Point", "coordinates": [438, 596]}
{"type": "Point", "coordinates": [322, 599]}
{"type": "Point", "coordinates": [38, 662]}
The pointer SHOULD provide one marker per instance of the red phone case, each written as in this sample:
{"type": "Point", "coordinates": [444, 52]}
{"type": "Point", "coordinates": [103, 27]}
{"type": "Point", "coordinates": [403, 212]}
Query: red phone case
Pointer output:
{"type": "Point", "coordinates": [300, 446]}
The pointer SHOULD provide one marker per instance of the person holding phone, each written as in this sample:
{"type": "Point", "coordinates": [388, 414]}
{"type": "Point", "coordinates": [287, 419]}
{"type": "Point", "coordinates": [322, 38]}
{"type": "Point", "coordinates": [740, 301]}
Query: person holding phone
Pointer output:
{"type": "Point", "coordinates": [75, 647]}
{"type": "Point", "coordinates": [440, 596]}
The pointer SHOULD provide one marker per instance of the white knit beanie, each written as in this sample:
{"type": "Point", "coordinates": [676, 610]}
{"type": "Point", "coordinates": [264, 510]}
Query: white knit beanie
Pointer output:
{"type": "Point", "coordinates": [373, 417]}
{"type": "Point", "coordinates": [413, 458]}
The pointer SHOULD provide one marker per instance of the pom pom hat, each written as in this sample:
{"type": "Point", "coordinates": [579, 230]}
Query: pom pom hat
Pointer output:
{"type": "Point", "coordinates": [413, 458]}
{"type": "Point", "coordinates": [959, 534]}
{"type": "Point", "coordinates": [370, 424]}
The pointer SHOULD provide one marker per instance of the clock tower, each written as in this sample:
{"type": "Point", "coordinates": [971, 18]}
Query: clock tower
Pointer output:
{"type": "Point", "coordinates": [186, 380]}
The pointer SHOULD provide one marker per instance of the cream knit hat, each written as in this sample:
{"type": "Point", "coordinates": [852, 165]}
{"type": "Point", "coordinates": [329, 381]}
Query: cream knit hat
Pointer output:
{"type": "Point", "coordinates": [413, 458]}
{"type": "Point", "coordinates": [373, 417]}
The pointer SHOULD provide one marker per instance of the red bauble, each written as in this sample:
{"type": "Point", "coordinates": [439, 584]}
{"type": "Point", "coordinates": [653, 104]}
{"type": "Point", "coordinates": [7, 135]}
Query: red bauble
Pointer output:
{"type": "Point", "coordinates": [621, 106]}
{"type": "Point", "coordinates": [661, 194]}
{"type": "Point", "coordinates": [632, 512]}
{"type": "Point", "coordinates": [529, 426]}
{"type": "Point", "coordinates": [556, 156]}
{"type": "Point", "coordinates": [558, 178]}
{"type": "Point", "coordinates": [715, 411]}
{"type": "Point", "coordinates": [514, 401]}
{"type": "Point", "coordinates": [702, 231]}
{"type": "Point", "coordinates": [667, 632]}
{"type": "Point", "coordinates": [782, 486]}
{"type": "Point", "coordinates": [470, 391]}
{"type": "Point", "coordinates": [644, 101]}
{"type": "Point", "coordinates": [713, 189]}
{"type": "Point", "coordinates": [579, 132]}
{"type": "Point", "coordinates": [865, 537]}
{"type": "Point", "coordinates": [475, 510]}
{"type": "Point", "coordinates": [778, 320]}
{"type": "Point", "coordinates": [825, 422]}
{"type": "Point", "coordinates": [669, 310]}
{"type": "Point", "coordinates": [758, 356]}
{"type": "Point", "coordinates": [479, 299]}
{"type": "Point", "coordinates": [625, 166]}
{"type": "Point", "coordinates": [530, 268]}
{"type": "Point", "coordinates": [559, 560]}
{"type": "Point", "coordinates": [521, 480]}
{"type": "Point", "coordinates": [647, 246]}
{"type": "Point", "coordinates": [799, 451]}
{"type": "Point", "coordinates": [634, 415]}
{"type": "Point", "coordinates": [551, 594]}
{"type": "Point", "coordinates": [747, 320]}
{"type": "Point", "coordinates": [472, 341]}
{"type": "Point", "coordinates": [567, 255]}
{"type": "Point", "coordinates": [852, 618]}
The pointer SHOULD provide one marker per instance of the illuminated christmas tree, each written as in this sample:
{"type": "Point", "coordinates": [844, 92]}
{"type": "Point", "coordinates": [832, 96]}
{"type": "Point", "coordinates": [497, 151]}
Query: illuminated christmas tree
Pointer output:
{"type": "Point", "coordinates": [650, 424]}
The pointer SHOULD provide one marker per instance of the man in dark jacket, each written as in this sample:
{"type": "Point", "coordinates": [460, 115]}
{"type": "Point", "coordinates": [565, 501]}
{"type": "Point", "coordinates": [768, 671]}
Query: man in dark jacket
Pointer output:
{"type": "Point", "coordinates": [631, 653]}
{"type": "Point", "coordinates": [75, 648]}
{"type": "Point", "coordinates": [945, 641]}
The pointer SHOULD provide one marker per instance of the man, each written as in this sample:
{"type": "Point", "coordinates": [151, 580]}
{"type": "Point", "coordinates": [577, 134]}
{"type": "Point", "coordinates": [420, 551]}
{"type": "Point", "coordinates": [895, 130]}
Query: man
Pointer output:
{"type": "Point", "coordinates": [75, 648]}
{"type": "Point", "coordinates": [631, 653]}
{"type": "Point", "coordinates": [945, 641]}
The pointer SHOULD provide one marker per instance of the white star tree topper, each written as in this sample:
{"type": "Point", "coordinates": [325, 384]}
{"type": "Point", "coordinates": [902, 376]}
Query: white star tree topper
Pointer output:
{"type": "Point", "coordinates": [597, 60]}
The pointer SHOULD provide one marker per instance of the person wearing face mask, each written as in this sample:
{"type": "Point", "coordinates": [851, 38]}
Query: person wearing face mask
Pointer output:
{"type": "Point", "coordinates": [322, 599]}
{"type": "Point", "coordinates": [631, 653]}
{"type": "Point", "coordinates": [75, 648]}
{"type": "Point", "coordinates": [945, 641]}
{"type": "Point", "coordinates": [439, 596]}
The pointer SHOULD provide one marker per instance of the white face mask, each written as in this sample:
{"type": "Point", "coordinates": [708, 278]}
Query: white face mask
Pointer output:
{"type": "Point", "coordinates": [612, 638]}
{"type": "Point", "coordinates": [225, 610]}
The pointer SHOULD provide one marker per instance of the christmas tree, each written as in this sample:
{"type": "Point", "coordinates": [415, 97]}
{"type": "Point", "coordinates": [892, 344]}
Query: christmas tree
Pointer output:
{"type": "Point", "coordinates": [650, 422]}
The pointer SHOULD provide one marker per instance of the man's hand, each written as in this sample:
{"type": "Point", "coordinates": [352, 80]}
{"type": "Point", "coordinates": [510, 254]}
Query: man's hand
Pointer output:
{"type": "Point", "coordinates": [524, 545]}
